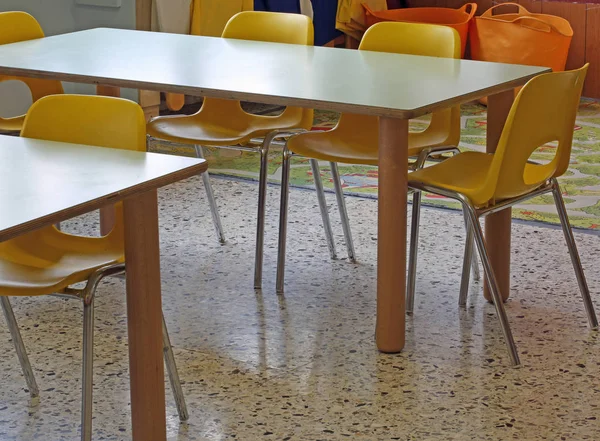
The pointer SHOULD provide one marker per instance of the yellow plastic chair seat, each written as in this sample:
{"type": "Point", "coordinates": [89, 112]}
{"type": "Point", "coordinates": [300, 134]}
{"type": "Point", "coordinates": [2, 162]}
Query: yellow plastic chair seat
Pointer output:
{"type": "Point", "coordinates": [355, 141]}
{"type": "Point", "coordinates": [220, 123]}
{"type": "Point", "coordinates": [48, 260]}
{"type": "Point", "coordinates": [13, 124]}
{"type": "Point", "coordinates": [330, 146]}
{"type": "Point", "coordinates": [467, 174]}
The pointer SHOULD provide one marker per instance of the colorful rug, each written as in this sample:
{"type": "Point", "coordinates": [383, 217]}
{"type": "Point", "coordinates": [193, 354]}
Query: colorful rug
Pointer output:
{"type": "Point", "coordinates": [581, 184]}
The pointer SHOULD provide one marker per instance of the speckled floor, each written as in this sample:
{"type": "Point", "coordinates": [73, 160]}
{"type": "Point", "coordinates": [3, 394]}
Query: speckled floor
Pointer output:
{"type": "Point", "coordinates": [304, 366]}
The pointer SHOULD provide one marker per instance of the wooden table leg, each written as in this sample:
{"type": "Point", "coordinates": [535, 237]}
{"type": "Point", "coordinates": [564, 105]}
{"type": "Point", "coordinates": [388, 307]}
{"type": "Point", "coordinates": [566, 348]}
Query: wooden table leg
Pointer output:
{"type": "Point", "coordinates": [391, 240]}
{"type": "Point", "coordinates": [498, 225]}
{"type": "Point", "coordinates": [108, 90]}
{"type": "Point", "coordinates": [144, 318]}
{"type": "Point", "coordinates": [107, 214]}
{"type": "Point", "coordinates": [351, 42]}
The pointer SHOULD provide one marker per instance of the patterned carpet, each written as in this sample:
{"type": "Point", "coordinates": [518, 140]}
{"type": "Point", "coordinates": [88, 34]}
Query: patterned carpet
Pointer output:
{"type": "Point", "coordinates": [581, 184]}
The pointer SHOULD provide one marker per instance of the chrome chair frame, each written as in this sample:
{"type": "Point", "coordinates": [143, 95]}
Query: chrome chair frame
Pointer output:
{"type": "Point", "coordinates": [261, 146]}
{"type": "Point", "coordinates": [214, 209]}
{"type": "Point", "coordinates": [424, 156]}
{"type": "Point", "coordinates": [15, 334]}
{"type": "Point", "coordinates": [283, 212]}
{"type": "Point", "coordinates": [212, 202]}
{"type": "Point", "coordinates": [474, 232]}
{"type": "Point", "coordinates": [87, 295]}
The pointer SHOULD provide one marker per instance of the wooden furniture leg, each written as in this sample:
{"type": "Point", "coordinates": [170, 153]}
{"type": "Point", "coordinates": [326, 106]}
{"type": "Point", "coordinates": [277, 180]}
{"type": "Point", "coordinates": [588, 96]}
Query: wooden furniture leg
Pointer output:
{"type": "Point", "coordinates": [144, 318]}
{"type": "Point", "coordinates": [108, 90]}
{"type": "Point", "coordinates": [150, 102]}
{"type": "Point", "coordinates": [107, 214]}
{"type": "Point", "coordinates": [337, 41]}
{"type": "Point", "coordinates": [351, 42]}
{"type": "Point", "coordinates": [498, 225]}
{"type": "Point", "coordinates": [391, 239]}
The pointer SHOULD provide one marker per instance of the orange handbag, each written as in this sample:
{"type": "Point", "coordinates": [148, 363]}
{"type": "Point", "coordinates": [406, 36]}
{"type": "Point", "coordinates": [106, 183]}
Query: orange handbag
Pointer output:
{"type": "Point", "coordinates": [455, 18]}
{"type": "Point", "coordinates": [521, 38]}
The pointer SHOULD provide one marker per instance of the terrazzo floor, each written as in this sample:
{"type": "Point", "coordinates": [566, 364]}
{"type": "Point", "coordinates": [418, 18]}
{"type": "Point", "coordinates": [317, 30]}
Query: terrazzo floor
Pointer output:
{"type": "Point", "coordinates": [303, 366]}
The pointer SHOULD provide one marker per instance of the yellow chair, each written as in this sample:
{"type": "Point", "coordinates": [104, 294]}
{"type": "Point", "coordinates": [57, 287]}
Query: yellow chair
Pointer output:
{"type": "Point", "coordinates": [208, 18]}
{"type": "Point", "coordinates": [49, 261]}
{"type": "Point", "coordinates": [354, 140]}
{"type": "Point", "coordinates": [544, 111]}
{"type": "Point", "coordinates": [15, 27]}
{"type": "Point", "coordinates": [223, 123]}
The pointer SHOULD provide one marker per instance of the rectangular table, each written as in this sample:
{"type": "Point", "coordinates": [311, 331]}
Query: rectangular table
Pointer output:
{"type": "Point", "coordinates": [44, 182]}
{"type": "Point", "coordinates": [393, 87]}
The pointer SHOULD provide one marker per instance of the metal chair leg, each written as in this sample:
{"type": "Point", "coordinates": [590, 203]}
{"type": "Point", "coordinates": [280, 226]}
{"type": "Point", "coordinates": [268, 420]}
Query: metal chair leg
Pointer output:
{"type": "Point", "coordinates": [570, 239]}
{"type": "Point", "coordinates": [467, 262]}
{"type": "Point", "coordinates": [413, 253]}
{"type": "Point", "coordinates": [283, 213]}
{"type": "Point", "coordinates": [474, 262]}
{"type": "Point", "coordinates": [214, 209]}
{"type": "Point", "coordinates": [15, 334]}
{"type": "Point", "coordinates": [316, 171]}
{"type": "Point", "coordinates": [173, 374]}
{"type": "Point", "coordinates": [341, 203]}
{"type": "Point", "coordinates": [470, 264]}
{"type": "Point", "coordinates": [260, 218]}
{"type": "Point", "coordinates": [414, 235]}
{"type": "Point", "coordinates": [491, 279]}
{"type": "Point", "coordinates": [88, 368]}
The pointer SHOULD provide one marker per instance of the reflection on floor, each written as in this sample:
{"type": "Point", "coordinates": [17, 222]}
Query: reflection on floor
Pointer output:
{"type": "Point", "coordinates": [303, 366]}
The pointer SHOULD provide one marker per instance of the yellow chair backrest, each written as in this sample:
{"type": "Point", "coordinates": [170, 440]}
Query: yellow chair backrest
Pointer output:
{"type": "Point", "coordinates": [20, 26]}
{"type": "Point", "coordinates": [544, 111]}
{"type": "Point", "coordinates": [93, 120]}
{"type": "Point", "coordinates": [271, 27]}
{"type": "Point", "coordinates": [413, 39]}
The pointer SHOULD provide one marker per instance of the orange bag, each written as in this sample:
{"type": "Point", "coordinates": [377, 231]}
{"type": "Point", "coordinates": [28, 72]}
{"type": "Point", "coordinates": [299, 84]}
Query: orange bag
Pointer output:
{"type": "Point", "coordinates": [458, 19]}
{"type": "Point", "coordinates": [521, 38]}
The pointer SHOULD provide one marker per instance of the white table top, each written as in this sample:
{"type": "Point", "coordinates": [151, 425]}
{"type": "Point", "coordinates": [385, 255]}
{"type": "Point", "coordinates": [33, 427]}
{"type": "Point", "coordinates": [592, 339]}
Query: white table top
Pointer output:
{"type": "Point", "coordinates": [373, 83]}
{"type": "Point", "coordinates": [43, 182]}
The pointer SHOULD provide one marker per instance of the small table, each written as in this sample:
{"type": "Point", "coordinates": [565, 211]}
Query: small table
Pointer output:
{"type": "Point", "coordinates": [394, 87]}
{"type": "Point", "coordinates": [44, 182]}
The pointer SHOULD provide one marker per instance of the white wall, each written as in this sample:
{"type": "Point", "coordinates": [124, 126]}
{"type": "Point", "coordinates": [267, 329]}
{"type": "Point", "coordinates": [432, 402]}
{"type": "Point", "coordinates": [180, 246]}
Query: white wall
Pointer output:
{"type": "Point", "coordinates": [58, 17]}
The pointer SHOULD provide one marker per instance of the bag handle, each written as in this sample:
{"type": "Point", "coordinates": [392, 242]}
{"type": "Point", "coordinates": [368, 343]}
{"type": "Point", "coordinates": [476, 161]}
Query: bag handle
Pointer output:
{"type": "Point", "coordinates": [472, 11]}
{"type": "Point", "coordinates": [522, 10]}
{"type": "Point", "coordinates": [368, 10]}
{"type": "Point", "coordinates": [524, 18]}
